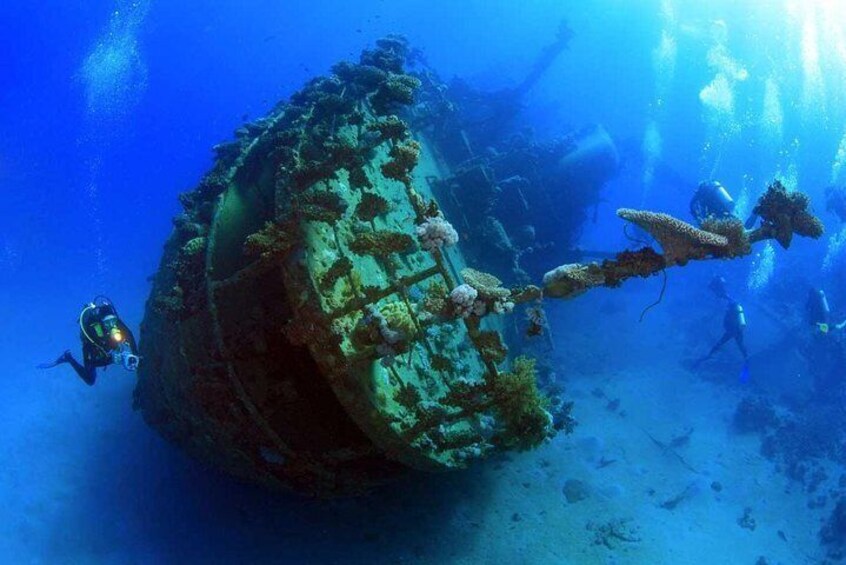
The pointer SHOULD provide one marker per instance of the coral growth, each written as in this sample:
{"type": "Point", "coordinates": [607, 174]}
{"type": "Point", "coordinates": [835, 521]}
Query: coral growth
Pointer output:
{"type": "Point", "coordinates": [537, 321]}
{"type": "Point", "coordinates": [436, 301]}
{"type": "Point", "coordinates": [465, 302]}
{"type": "Point", "coordinates": [195, 246]}
{"type": "Point", "coordinates": [408, 396]}
{"type": "Point", "coordinates": [321, 206]}
{"type": "Point", "coordinates": [389, 55]}
{"type": "Point", "coordinates": [732, 229]}
{"type": "Point", "coordinates": [784, 213]}
{"type": "Point", "coordinates": [568, 281]}
{"type": "Point", "coordinates": [389, 329]}
{"type": "Point", "coordinates": [522, 420]}
{"type": "Point", "coordinates": [339, 269]}
{"type": "Point", "coordinates": [521, 407]}
{"type": "Point", "coordinates": [359, 179]}
{"type": "Point", "coordinates": [390, 129]}
{"type": "Point", "coordinates": [273, 241]}
{"type": "Point", "coordinates": [490, 291]}
{"type": "Point", "coordinates": [396, 90]}
{"type": "Point", "coordinates": [381, 243]}
{"type": "Point", "coordinates": [371, 206]}
{"type": "Point", "coordinates": [642, 263]}
{"type": "Point", "coordinates": [679, 240]}
{"type": "Point", "coordinates": [490, 346]}
{"type": "Point", "coordinates": [364, 78]}
{"type": "Point", "coordinates": [436, 233]}
{"type": "Point", "coordinates": [404, 158]}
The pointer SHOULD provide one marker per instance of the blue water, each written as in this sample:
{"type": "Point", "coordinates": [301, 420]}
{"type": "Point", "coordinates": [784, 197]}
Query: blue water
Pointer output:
{"type": "Point", "coordinates": [108, 110]}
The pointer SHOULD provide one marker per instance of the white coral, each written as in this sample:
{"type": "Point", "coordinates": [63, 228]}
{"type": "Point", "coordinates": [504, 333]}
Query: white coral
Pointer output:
{"type": "Point", "coordinates": [465, 300]}
{"type": "Point", "coordinates": [435, 233]}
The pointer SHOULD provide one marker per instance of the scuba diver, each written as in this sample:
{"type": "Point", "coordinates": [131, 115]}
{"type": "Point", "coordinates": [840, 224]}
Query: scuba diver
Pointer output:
{"type": "Point", "coordinates": [819, 313]}
{"type": "Point", "coordinates": [734, 324]}
{"type": "Point", "coordinates": [712, 200]}
{"type": "Point", "coordinates": [824, 349]}
{"type": "Point", "coordinates": [105, 339]}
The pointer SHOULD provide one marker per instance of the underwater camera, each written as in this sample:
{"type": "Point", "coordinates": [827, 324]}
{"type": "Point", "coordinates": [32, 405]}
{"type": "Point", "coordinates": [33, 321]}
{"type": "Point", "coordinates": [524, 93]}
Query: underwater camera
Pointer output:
{"type": "Point", "coordinates": [124, 356]}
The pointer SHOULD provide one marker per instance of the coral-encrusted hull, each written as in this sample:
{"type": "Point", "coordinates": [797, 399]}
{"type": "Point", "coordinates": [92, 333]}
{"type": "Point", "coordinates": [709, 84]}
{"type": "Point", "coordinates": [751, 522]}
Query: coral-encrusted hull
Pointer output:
{"type": "Point", "coordinates": [259, 409]}
{"type": "Point", "coordinates": [301, 330]}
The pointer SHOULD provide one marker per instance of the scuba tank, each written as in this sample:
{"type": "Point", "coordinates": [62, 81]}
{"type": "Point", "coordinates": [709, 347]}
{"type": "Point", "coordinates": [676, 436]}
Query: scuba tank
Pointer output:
{"type": "Point", "coordinates": [817, 307]}
{"type": "Point", "coordinates": [711, 199]}
{"type": "Point", "coordinates": [735, 319]}
{"type": "Point", "coordinates": [740, 316]}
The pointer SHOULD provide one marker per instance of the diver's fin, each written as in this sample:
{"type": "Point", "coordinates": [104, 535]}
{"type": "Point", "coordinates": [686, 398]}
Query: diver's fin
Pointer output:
{"type": "Point", "coordinates": [63, 358]}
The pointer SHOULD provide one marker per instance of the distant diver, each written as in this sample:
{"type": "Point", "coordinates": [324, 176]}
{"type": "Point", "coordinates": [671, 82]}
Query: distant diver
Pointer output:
{"type": "Point", "coordinates": [734, 324]}
{"type": "Point", "coordinates": [713, 200]}
{"type": "Point", "coordinates": [819, 314]}
{"type": "Point", "coordinates": [106, 340]}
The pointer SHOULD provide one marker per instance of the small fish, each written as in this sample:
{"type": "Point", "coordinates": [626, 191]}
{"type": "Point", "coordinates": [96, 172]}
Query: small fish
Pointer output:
{"type": "Point", "coordinates": [782, 535]}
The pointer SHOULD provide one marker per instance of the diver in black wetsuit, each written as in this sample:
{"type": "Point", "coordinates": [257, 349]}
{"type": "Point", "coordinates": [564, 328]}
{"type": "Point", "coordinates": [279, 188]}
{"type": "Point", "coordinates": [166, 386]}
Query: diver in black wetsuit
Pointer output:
{"type": "Point", "coordinates": [711, 199]}
{"type": "Point", "coordinates": [819, 313]}
{"type": "Point", "coordinates": [734, 322]}
{"type": "Point", "coordinates": [105, 340]}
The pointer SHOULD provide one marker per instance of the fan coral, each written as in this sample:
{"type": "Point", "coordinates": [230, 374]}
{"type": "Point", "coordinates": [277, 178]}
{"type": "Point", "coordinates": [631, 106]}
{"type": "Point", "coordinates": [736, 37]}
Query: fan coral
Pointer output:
{"type": "Point", "coordinates": [679, 240]}
{"type": "Point", "coordinates": [435, 233]}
